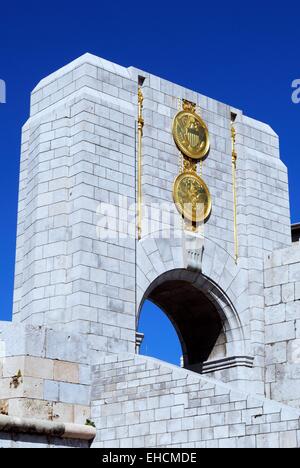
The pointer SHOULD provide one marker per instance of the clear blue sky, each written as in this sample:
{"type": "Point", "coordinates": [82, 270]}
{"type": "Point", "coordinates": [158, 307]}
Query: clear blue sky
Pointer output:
{"type": "Point", "coordinates": [242, 53]}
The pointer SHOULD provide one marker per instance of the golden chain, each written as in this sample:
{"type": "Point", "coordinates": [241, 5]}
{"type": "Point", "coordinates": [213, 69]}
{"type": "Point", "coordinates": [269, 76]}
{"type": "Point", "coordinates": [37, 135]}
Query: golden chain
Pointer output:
{"type": "Point", "coordinates": [140, 138]}
{"type": "Point", "coordinates": [234, 168]}
{"type": "Point", "coordinates": [198, 110]}
{"type": "Point", "coordinates": [201, 167]}
{"type": "Point", "coordinates": [180, 156]}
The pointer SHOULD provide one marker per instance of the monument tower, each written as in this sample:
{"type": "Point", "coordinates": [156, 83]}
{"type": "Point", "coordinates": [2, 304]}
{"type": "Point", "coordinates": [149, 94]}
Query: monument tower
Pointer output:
{"type": "Point", "coordinates": [135, 188]}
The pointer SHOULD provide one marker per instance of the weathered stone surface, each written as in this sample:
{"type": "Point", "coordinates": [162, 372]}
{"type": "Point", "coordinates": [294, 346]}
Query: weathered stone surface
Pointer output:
{"type": "Point", "coordinates": [209, 420]}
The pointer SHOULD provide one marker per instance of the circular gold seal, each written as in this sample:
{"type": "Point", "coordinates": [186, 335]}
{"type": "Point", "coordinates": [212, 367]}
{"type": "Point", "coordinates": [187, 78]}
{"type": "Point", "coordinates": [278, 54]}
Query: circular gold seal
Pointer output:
{"type": "Point", "coordinates": [191, 134]}
{"type": "Point", "coordinates": [191, 197]}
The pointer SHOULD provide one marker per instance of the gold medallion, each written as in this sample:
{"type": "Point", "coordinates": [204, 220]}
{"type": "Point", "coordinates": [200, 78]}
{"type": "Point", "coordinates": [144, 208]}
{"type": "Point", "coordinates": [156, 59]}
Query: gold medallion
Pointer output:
{"type": "Point", "coordinates": [191, 197]}
{"type": "Point", "coordinates": [191, 134]}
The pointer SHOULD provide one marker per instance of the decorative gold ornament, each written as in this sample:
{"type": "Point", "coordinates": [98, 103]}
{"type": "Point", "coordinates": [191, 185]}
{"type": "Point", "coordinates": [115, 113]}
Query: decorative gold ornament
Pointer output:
{"type": "Point", "coordinates": [191, 197]}
{"type": "Point", "coordinates": [234, 161]}
{"type": "Point", "coordinates": [140, 138]}
{"type": "Point", "coordinates": [189, 165]}
{"type": "Point", "coordinates": [190, 132]}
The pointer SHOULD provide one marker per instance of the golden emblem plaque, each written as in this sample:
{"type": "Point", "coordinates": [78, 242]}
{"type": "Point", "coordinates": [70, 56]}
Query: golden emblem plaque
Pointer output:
{"type": "Point", "coordinates": [191, 197]}
{"type": "Point", "coordinates": [191, 134]}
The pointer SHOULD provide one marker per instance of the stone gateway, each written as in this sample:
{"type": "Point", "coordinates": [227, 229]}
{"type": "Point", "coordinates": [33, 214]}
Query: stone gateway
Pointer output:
{"type": "Point", "coordinates": [99, 233]}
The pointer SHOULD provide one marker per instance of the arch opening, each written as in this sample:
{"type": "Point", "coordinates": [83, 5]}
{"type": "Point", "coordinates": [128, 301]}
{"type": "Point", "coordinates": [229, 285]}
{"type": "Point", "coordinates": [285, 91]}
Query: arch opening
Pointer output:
{"type": "Point", "coordinates": [160, 338]}
{"type": "Point", "coordinates": [198, 314]}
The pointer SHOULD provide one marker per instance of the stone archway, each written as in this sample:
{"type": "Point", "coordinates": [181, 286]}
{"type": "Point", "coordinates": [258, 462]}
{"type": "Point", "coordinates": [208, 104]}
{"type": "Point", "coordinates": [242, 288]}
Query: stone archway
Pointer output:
{"type": "Point", "coordinates": [201, 319]}
{"type": "Point", "coordinates": [195, 318]}
{"type": "Point", "coordinates": [198, 301]}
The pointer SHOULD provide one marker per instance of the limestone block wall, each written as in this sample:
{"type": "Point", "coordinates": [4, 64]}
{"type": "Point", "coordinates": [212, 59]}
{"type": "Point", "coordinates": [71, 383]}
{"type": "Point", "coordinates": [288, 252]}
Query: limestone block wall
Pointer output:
{"type": "Point", "coordinates": [263, 217]}
{"type": "Point", "coordinates": [282, 318]}
{"type": "Point", "coordinates": [142, 402]}
{"type": "Point", "coordinates": [18, 283]}
{"type": "Point", "coordinates": [44, 374]}
{"type": "Point", "coordinates": [44, 388]}
{"type": "Point", "coordinates": [78, 154]}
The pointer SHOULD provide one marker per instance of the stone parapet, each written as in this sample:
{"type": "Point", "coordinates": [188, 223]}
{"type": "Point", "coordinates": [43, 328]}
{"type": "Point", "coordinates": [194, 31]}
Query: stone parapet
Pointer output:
{"type": "Point", "coordinates": [50, 429]}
